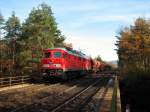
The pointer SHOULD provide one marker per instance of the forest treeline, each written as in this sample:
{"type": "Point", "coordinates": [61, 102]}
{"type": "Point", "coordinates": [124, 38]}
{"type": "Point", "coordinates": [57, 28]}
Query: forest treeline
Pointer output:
{"type": "Point", "coordinates": [19, 40]}
{"type": "Point", "coordinates": [133, 48]}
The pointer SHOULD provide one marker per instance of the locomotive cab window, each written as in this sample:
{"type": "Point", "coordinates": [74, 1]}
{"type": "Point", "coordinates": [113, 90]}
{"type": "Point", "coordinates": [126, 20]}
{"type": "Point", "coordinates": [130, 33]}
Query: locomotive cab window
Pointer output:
{"type": "Point", "coordinates": [47, 55]}
{"type": "Point", "coordinates": [57, 54]}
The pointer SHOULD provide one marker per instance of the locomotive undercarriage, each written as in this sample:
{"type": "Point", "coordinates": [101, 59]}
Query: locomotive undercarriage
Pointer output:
{"type": "Point", "coordinates": [59, 73]}
{"type": "Point", "coordinates": [52, 72]}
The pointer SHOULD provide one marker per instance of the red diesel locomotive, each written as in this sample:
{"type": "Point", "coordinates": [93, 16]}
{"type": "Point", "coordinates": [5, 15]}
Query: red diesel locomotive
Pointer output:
{"type": "Point", "coordinates": [63, 62]}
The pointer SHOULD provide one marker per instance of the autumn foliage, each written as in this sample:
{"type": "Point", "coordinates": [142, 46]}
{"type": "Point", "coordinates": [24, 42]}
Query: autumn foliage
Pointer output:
{"type": "Point", "coordinates": [134, 47]}
{"type": "Point", "coordinates": [134, 65]}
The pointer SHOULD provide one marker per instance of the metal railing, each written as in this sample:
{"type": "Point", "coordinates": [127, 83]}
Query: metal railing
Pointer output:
{"type": "Point", "coordinates": [116, 103]}
{"type": "Point", "coordinates": [9, 81]}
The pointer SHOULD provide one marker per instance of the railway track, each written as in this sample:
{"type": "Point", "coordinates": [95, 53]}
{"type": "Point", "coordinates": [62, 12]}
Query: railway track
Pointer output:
{"type": "Point", "coordinates": [33, 87]}
{"type": "Point", "coordinates": [56, 97]}
{"type": "Point", "coordinates": [95, 103]}
{"type": "Point", "coordinates": [15, 99]}
{"type": "Point", "coordinates": [30, 87]}
{"type": "Point", "coordinates": [78, 101]}
{"type": "Point", "coordinates": [72, 98]}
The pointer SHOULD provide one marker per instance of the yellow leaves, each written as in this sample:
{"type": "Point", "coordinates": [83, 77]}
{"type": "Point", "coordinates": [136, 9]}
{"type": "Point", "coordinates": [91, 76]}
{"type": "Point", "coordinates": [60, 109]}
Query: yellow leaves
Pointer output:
{"type": "Point", "coordinates": [134, 46]}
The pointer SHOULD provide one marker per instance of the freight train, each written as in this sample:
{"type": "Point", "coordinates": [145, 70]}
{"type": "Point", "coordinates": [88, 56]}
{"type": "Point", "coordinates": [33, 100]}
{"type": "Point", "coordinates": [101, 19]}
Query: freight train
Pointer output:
{"type": "Point", "coordinates": [65, 63]}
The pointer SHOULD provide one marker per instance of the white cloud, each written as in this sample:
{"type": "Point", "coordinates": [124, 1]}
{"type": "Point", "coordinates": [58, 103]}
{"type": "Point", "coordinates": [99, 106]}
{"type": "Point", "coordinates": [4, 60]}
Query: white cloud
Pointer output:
{"type": "Point", "coordinates": [90, 19]}
{"type": "Point", "coordinates": [105, 14]}
{"type": "Point", "coordinates": [127, 18]}
{"type": "Point", "coordinates": [94, 46]}
{"type": "Point", "coordinates": [85, 16]}
{"type": "Point", "coordinates": [75, 6]}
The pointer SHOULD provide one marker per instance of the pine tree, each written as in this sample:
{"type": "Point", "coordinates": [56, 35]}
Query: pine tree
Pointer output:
{"type": "Point", "coordinates": [40, 28]}
{"type": "Point", "coordinates": [1, 20]}
{"type": "Point", "coordinates": [39, 31]}
{"type": "Point", "coordinates": [1, 43]}
{"type": "Point", "coordinates": [12, 27]}
{"type": "Point", "coordinates": [99, 58]}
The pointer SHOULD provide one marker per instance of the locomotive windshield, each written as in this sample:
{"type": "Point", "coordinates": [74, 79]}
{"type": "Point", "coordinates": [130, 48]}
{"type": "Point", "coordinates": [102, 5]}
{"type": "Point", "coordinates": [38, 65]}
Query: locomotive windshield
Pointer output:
{"type": "Point", "coordinates": [47, 55]}
{"type": "Point", "coordinates": [57, 54]}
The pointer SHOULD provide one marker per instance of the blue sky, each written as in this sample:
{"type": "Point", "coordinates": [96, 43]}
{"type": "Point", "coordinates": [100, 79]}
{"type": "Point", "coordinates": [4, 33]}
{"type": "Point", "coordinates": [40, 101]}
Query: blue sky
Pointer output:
{"type": "Point", "coordinates": [91, 25]}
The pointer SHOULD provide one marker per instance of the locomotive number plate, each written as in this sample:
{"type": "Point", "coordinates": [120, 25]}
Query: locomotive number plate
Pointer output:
{"type": "Point", "coordinates": [58, 65]}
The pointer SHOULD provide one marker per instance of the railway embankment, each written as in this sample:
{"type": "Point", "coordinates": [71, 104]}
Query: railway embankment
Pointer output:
{"type": "Point", "coordinates": [97, 94]}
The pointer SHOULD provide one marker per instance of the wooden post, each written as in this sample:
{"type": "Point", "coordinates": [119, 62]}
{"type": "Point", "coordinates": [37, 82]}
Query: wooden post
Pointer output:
{"type": "Point", "coordinates": [22, 79]}
{"type": "Point", "coordinates": [1, 81]}
{"type": "Point", "coordinates": [10, 81]}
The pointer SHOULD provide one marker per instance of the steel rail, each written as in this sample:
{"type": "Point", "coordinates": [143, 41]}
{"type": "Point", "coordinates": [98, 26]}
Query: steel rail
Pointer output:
{"type": "Point", "coordinates": [26, 106]}
{"type": "Point", "coordinates": [74, 97]}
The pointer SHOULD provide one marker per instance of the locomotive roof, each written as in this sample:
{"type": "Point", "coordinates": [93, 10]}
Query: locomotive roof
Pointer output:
{"type": "Point", "coordinates": [71, 51]}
